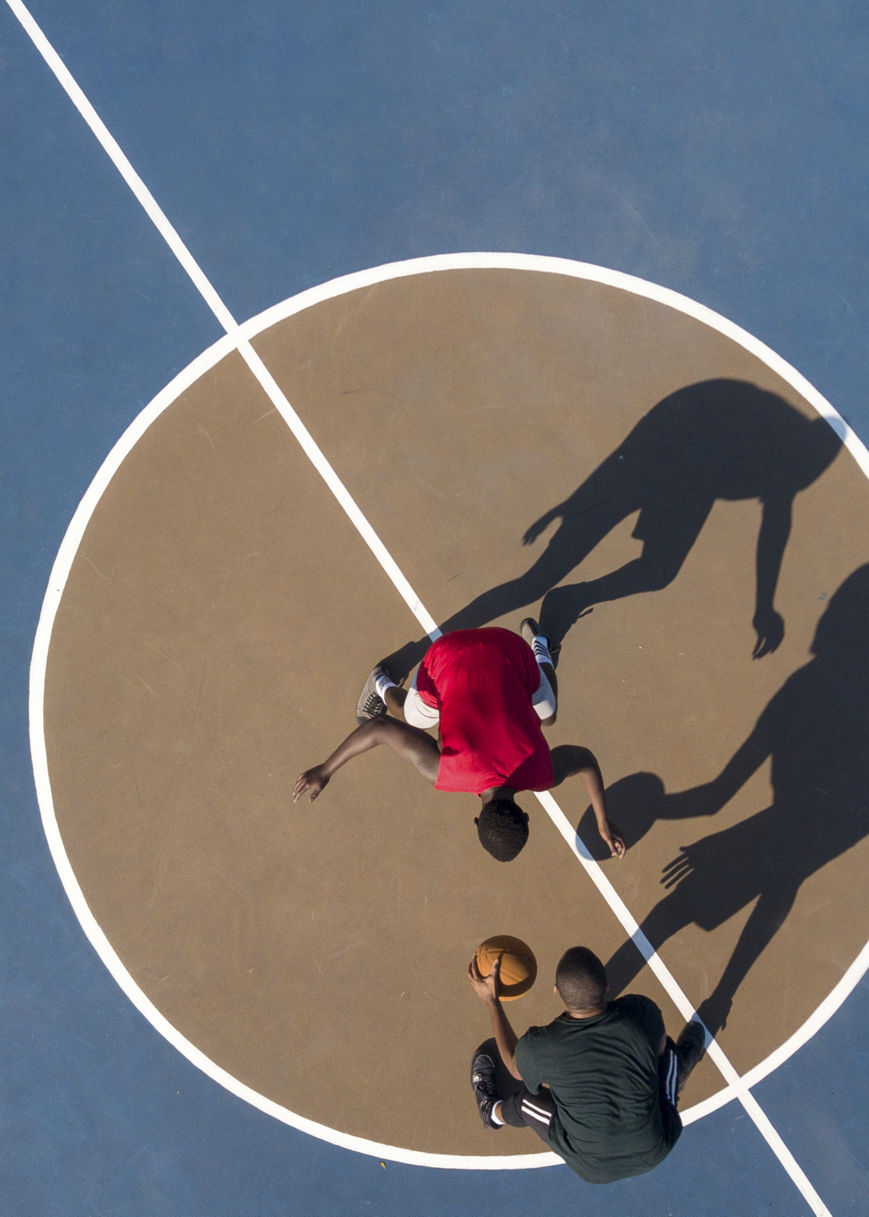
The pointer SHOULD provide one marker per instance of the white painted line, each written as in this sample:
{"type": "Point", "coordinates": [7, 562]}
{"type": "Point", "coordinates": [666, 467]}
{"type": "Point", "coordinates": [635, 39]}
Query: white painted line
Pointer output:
{"type": "Point", "coordinates": [221, 312]}
{"type": "Point", "coordinates": [631, 927]}
{"type": "Point", "coordinates": [800, 1037]}
{"type": "Point", "coordinates": [339, 490]}
{"type": "Point", "coordinates": [784, 1155]}
{"type": "Point", "coordinates": [56, 585]}
{"type": "Point", "coordinates": [574, 270]}
{"type": "Point", "coordinates": [122, 164]}
{"type": "Point", "coordinates": [684, 1006]}
{"type": "Point", "coordinates": [72, 539]}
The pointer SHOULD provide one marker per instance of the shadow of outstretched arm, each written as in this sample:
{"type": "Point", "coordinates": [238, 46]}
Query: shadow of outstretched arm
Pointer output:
{"type": "Point", "coordinates": [710, 797]}
{"type": "Point", "coordinates": [636, 802]}
{"type": "Point", "coordinates": [775, 528]}
{"type": "Point", "coordinates": [533, 531]}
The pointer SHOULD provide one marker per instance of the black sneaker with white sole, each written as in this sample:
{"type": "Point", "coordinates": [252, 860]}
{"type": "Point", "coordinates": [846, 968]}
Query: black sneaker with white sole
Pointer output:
{"type": "Point", "coordinates": [483, 1083]}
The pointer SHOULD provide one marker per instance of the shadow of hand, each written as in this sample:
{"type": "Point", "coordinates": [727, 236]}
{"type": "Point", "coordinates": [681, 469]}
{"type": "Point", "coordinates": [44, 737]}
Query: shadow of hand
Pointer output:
{"type": "Point", "coordinates": [770, 630]}
{"type": "Point", "coordinates": [679, 868]}
{"type": "Point", "coordinates": [534, 530]}
{"type": "Point", "coordinates": [714, 1013]}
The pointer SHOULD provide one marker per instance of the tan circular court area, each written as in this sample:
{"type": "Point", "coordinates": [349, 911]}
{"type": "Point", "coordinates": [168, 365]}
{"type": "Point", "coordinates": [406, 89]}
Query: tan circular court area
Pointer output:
{"type": "Point", "coordinates": [221, 613]}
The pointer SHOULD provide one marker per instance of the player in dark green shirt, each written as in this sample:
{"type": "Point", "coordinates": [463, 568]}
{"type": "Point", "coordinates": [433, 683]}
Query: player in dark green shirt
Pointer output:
{"type": "Point", "coordinates": [599, 1084]}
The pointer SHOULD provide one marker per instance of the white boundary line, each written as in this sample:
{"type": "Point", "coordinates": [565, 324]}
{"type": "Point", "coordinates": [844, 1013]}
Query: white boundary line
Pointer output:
{"type": "Point", "coordinates": [736, 1087]}
{"type": "Point", "coordinates": [240, 340]}
{"type": "Point", "coordinates": [221, 312]}
{"type": "Point", "coordinates": [119, 160]}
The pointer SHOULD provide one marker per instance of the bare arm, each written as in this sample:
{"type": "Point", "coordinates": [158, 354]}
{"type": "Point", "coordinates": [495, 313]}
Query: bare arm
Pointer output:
{"type": "Point", "coordinates": [570, 759]}
{"type": "Point", "coordinates": [409, 742]}
{"type": "Point", "coordinates": [486, 988]}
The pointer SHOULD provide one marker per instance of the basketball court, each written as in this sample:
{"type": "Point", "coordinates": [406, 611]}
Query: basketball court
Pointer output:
{"type": "Point", "coordinates": [269, 425]}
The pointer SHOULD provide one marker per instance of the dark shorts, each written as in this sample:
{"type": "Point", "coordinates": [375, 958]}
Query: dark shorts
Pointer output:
{"type": "Point", "coordinates": [522, 1109]}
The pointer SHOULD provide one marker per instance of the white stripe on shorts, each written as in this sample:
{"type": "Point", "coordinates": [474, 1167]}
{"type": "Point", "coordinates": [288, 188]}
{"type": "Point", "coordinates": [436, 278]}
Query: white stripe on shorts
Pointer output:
{"type": "Point", "coordinates": [670, 1091]}
{"type": "Point", "coordinates": [541, 1114]}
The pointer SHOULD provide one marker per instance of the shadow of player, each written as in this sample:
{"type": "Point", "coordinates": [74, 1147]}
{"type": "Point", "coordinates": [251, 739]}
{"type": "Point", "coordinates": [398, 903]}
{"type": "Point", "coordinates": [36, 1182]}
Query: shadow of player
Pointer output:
{"type": "Point", "coordinates": [815, 731]}
{"type": "Point", "coordinates": [720, 439]}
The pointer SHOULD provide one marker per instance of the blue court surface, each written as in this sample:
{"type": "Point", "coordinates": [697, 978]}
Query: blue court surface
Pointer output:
{"type": "Point", "coordinates": [237, 155]}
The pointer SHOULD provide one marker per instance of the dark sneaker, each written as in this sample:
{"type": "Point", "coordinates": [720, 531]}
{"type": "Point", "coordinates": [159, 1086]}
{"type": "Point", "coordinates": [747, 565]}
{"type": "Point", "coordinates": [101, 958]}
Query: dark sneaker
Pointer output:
{"type": "Point", "coordinates": [370, 704]}
{"type": "Point", "coordinates": [690, 1047]}
{"type": "Point", "coordinates": [529, 629]}
{"type": "Point", "coordinates": [483, 1082]}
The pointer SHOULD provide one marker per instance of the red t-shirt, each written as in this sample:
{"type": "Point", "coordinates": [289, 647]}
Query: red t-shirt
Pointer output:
{"type": "Point", "coordinates": [482, 682]}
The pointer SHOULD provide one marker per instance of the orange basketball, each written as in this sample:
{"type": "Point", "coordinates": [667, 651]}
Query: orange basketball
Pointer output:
{"type": "Point", "coordinates": [518, 965]}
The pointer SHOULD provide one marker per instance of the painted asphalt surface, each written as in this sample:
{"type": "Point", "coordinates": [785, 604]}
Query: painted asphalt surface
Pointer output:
{"type": "Point", "coordinates": [721, 156]}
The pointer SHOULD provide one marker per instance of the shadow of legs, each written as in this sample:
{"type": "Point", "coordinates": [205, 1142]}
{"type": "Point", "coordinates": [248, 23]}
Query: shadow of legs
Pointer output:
{"type": "Point", "coordinates": [762, 926]}
{"type": "Point", "coordinates": [666, 919]}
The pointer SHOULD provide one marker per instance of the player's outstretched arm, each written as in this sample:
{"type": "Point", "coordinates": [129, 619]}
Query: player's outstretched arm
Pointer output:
{"type": "Point", "coordinates": [409, 742]}
{"type": "Point", "coordinates": [570, 759]}
{"type": "Point", "coordinates": [487, 989]}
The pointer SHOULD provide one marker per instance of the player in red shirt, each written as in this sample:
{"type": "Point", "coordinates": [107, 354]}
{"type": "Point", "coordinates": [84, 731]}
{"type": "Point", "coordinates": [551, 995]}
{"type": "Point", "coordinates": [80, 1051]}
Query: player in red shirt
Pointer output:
{"type": "Point", "coordinates": [488, 692]}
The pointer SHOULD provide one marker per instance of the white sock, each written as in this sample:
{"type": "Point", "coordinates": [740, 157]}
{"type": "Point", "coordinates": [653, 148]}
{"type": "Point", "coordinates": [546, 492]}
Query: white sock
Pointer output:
{"type": "Point", "coordinates": [383, 683]}
{"type": "Point", "coordinates": [540, 647]}
{"type": "Point", "coordinates": [496, 1119]}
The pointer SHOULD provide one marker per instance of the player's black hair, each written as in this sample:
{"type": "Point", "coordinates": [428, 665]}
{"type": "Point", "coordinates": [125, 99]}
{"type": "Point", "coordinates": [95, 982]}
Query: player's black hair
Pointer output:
{"type": "Point", "coordinates": [502, 827]}
{"type": "Point", "coordinates": [580, 979]}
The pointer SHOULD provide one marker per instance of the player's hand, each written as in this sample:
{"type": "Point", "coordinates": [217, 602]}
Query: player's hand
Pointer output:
{"type": "Point", "coordinates": [485, 987]}
{"type": "Point", "coordinates": [311, 782]}
{"type": "Point", "coordinates": [613, 839]}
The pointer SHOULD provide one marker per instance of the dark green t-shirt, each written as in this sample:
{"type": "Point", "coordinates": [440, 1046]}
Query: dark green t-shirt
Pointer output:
{"type": "Point", "coordinates": [610, 1121]}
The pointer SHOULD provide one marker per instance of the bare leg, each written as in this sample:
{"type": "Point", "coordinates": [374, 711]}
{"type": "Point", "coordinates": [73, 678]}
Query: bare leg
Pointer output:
{"type": "Point", "coordinates": [395, 699]}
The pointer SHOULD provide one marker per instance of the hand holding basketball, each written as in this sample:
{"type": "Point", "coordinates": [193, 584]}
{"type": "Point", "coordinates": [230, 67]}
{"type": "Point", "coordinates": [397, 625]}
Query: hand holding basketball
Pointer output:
{"type": "Point", "coordinates": [505, 967]}
{"type": "Point", "coordinates": [485, 987]}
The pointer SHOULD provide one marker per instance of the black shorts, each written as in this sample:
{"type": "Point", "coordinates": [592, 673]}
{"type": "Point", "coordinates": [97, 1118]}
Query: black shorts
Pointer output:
{"type": "Point", "coordinates": [522, 1109]}
{"type": "Point", "coordinates": [519, 1107]}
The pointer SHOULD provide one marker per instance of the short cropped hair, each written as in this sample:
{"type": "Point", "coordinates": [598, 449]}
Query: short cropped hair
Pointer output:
{"type": "Point", "coordinates": [502, 827]}
{"type": "Point", "coordinates": [580, 979]}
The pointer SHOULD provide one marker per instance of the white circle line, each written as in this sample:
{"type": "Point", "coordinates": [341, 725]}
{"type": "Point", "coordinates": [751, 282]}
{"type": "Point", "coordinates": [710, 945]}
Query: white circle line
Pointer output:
{"type": "Point", "coordinates": [238, 339]}
{"type": "Point", "coordinates": [576, 270]}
